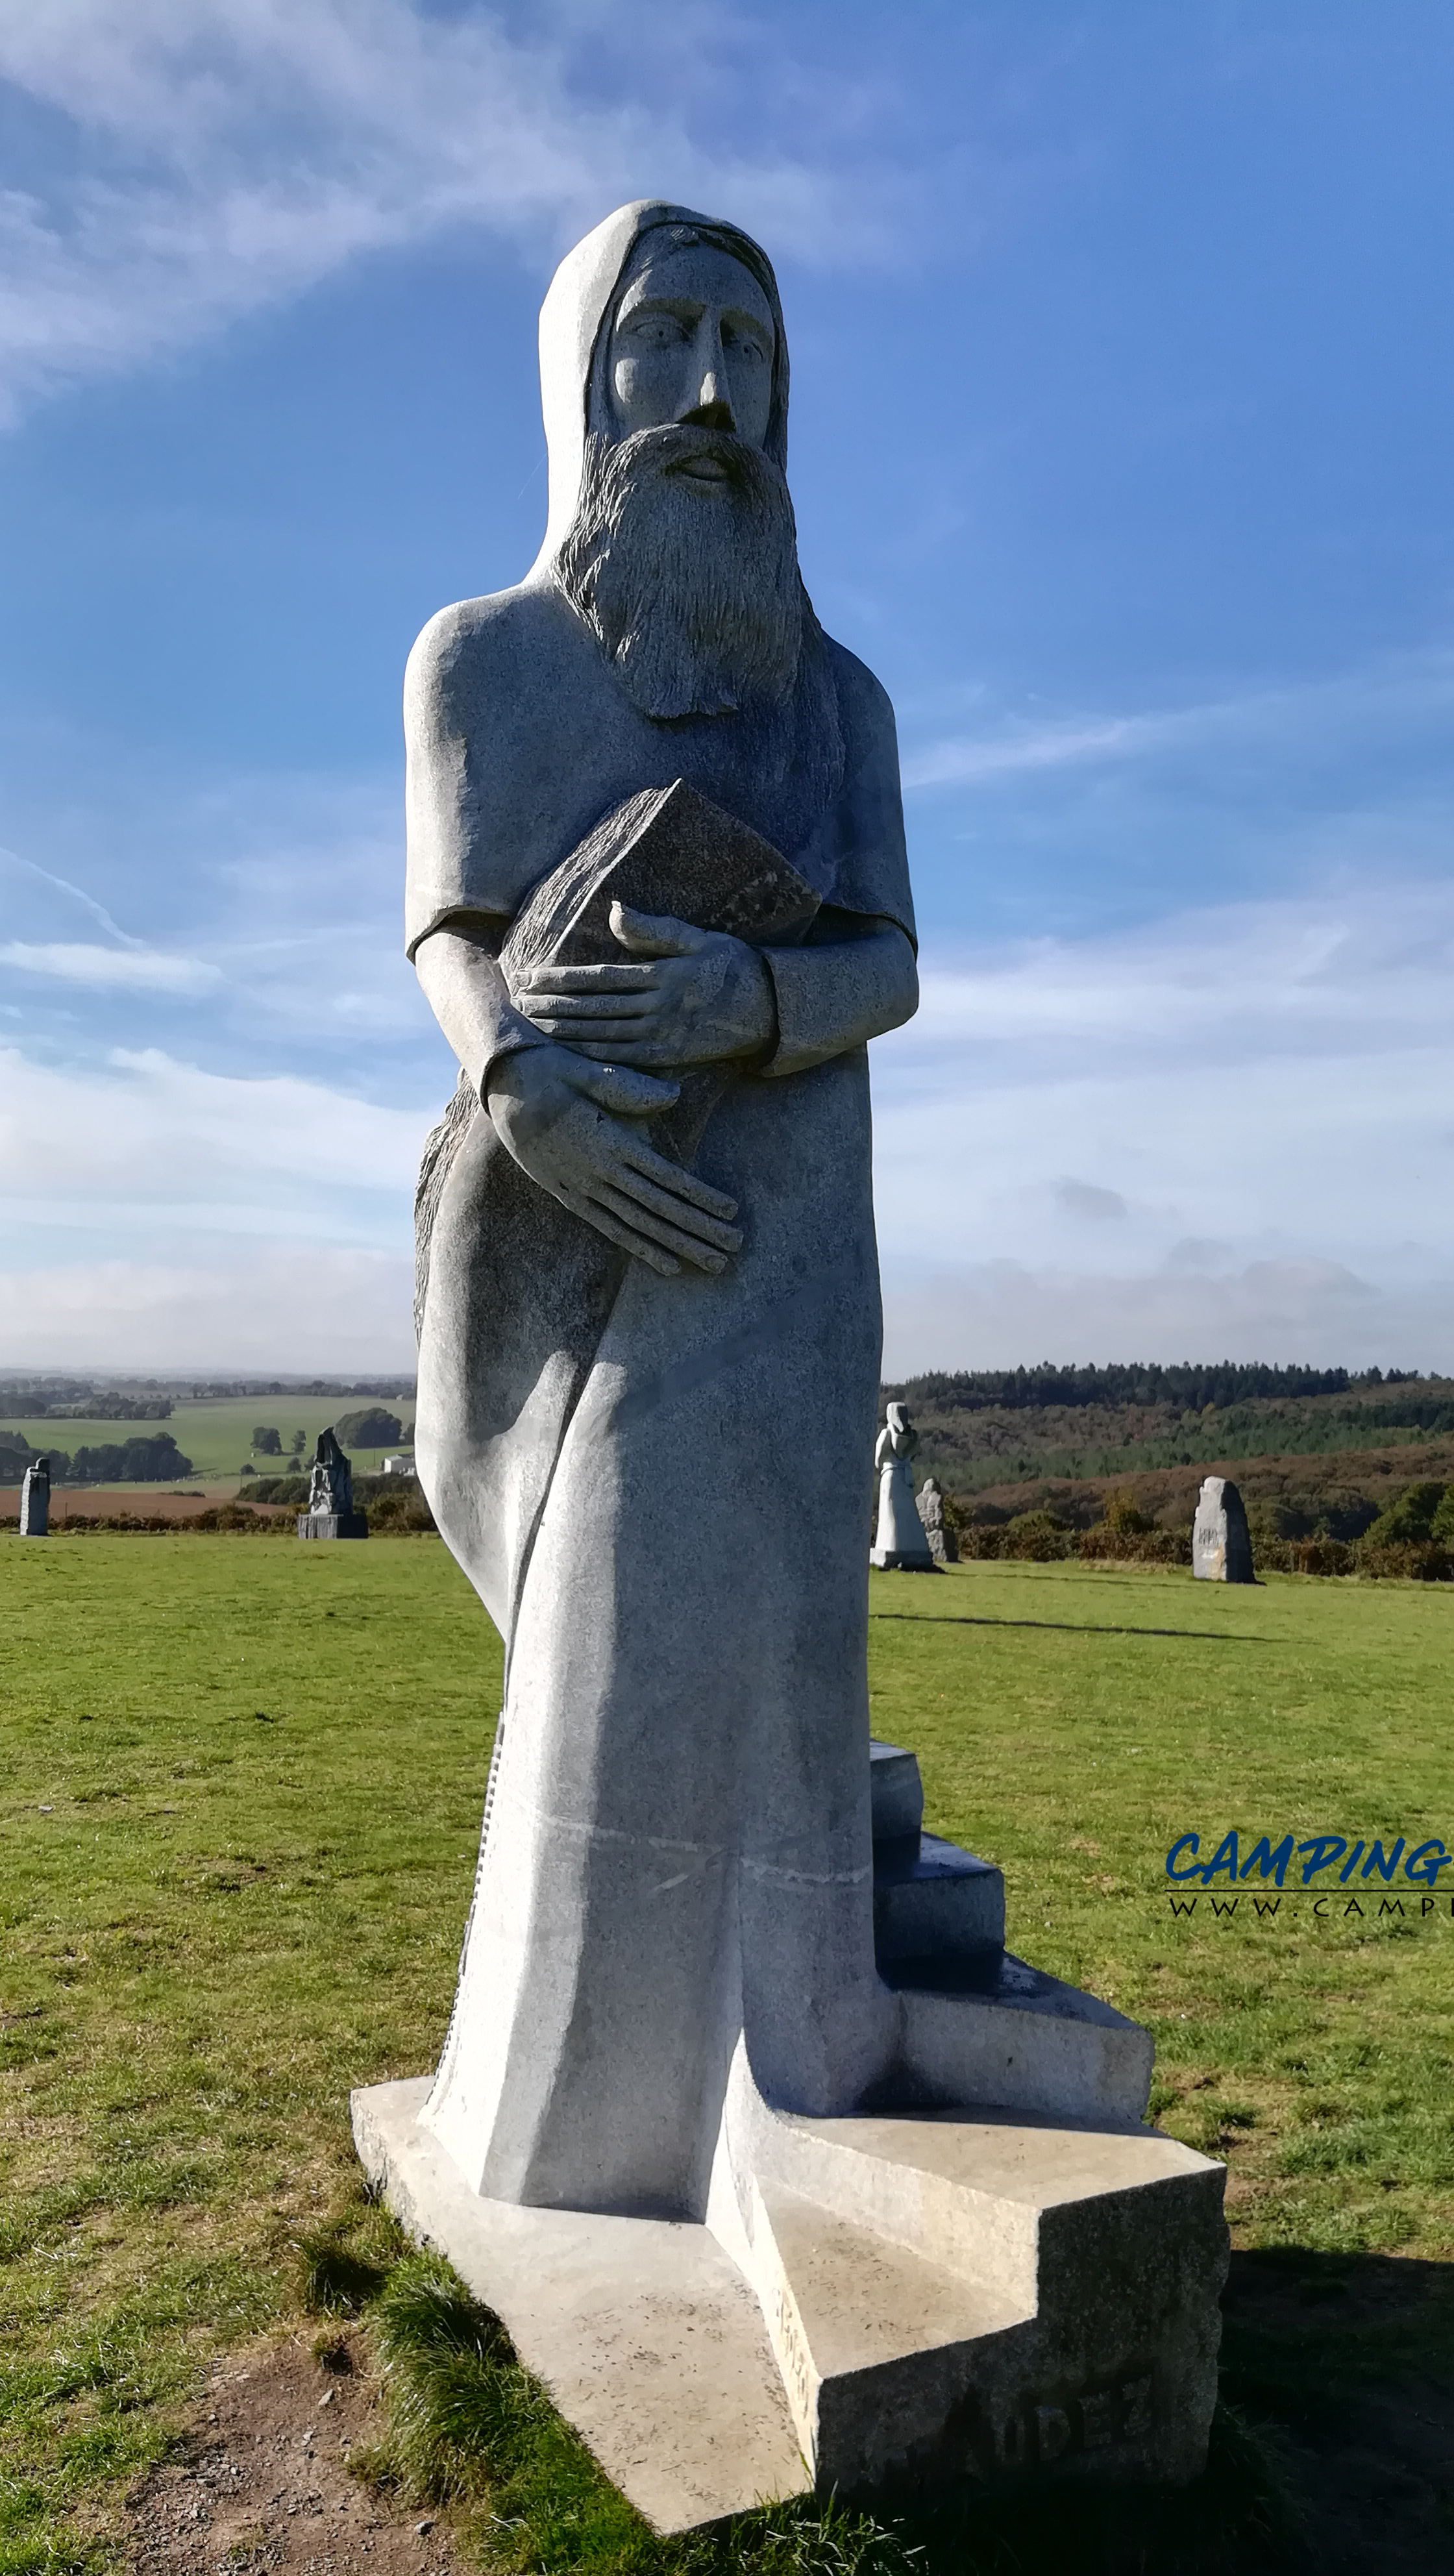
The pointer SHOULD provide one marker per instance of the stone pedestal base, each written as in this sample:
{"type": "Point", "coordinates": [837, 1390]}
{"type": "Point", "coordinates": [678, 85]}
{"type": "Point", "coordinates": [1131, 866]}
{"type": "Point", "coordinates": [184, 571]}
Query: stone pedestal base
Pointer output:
{"type": "Point", "coordinates": [1013, 2277]}
{"type": "Point", "coordinates": [902, 2298]}
{"type": "Point", "coordinates": [889, 1561]}
{"type": "Point", "coordinates": [332, 1525]}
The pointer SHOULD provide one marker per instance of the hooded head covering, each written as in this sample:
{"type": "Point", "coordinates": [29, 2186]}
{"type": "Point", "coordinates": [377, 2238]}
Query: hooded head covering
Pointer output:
{"type": "Point", "coordinates": [580, 298]}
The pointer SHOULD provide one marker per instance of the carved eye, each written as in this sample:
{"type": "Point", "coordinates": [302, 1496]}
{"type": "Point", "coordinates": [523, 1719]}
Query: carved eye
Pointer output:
{"type": "Point", "coordinates": [657, 330]}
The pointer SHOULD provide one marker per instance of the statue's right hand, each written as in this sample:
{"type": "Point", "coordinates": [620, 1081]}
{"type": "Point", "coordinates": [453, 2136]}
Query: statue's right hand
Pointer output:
{"type": "Point", "coordinates": [565, 1122]}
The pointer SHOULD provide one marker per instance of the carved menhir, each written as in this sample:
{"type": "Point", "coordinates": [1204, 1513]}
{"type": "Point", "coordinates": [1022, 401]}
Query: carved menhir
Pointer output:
{"type": "Point", "coordinates": [331, 1512]}
{"type": "Point", "coordinates": [1221, 1543]}
{"type": "Point", "coordinates": [900, 1540]}
{"type": "Point", "coordinates": [35, 1500]}
{"type": "Point", "coordinates": [658, 899]}
{"type": "Point", "coordinates": [943, 1546]}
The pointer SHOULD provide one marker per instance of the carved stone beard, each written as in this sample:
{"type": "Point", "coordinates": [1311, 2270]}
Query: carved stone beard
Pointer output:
{"type": "Point", "coordinates": [692, 588]}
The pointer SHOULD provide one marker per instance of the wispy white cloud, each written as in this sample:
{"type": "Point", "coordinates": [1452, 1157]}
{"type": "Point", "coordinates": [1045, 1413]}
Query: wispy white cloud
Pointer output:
{"type": "Point", "coordinates": [151, 1134]}
{"type": "Point", "coordinates": [1319, 714]}
{"type": "Point", "coordinates": [220, 1312]}
{"type": "Point", "coordinates": [228, 153]}
{"type": "Point", "coordinates": [28, 873]}
{"type": "Point", "coordinates": [135, 969]}
{"type": "Point", "coordinates": [1262, 1097]}
{"type": "Point", "coordinates": [1352, 969]}
{"type": "Point", "coordinates": [1001, 1314]}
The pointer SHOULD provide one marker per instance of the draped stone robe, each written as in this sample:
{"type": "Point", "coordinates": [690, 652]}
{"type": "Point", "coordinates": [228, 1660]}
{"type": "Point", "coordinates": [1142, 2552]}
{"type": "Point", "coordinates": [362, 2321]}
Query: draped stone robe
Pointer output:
{"type": "Point", "coordinates": [658, 1487]}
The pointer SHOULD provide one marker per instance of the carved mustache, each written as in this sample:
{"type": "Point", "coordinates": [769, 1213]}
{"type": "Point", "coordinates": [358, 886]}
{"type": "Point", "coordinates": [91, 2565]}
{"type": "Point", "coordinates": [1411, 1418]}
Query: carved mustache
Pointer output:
{"type": "Point", "coordinates": [681, 444]}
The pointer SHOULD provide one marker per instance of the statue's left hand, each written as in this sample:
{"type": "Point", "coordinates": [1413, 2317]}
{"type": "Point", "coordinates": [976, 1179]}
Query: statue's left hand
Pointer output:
{"type": "Point", "coordinates": [690, 997]}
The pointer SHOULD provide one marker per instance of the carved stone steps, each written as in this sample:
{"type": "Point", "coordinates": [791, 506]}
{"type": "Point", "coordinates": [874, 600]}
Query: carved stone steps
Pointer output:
{"type": "Point", "coordinates": [977, 2291]}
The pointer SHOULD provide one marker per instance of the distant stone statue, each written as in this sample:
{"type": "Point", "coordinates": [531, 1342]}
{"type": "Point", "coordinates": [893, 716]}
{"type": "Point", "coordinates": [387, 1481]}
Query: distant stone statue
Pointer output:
{"type": "Point", "coordinates": [35, 1500]}
{"type": "Point", "coordinates": [1221, 1543]}
{"type": "Point", "coordinates": [943, 1546]}
{"type": "Point", "coordinates": [331, 1512]}
{"type": "Point", "coordinates": [900, 1542]}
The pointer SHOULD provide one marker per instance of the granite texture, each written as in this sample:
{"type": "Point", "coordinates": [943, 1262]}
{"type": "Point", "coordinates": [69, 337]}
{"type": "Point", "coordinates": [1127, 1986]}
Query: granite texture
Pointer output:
{"type": "Point", "coordinates": [704, 1918]}
{"type": "Point", "coordinates": [679, 1841]}
{"type": "Point", "coordinates": [943, 1546]}
{"type": "Point", "coordinates": [1221, 1543]}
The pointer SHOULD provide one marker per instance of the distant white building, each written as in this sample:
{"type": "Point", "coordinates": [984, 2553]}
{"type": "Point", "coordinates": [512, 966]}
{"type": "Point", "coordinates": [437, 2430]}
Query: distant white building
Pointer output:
{"type": "Point", "coordinates": [398, 1466]}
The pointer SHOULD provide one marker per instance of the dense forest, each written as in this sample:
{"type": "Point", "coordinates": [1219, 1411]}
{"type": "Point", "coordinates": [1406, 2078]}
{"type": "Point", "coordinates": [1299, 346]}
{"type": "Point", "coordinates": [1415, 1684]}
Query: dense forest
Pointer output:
{"type": "Point", "coordinates": [1184, 1385]}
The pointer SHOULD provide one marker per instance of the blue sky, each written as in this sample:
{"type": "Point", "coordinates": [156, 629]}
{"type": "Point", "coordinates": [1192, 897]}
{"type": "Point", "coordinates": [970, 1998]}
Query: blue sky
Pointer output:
{"type": "Point", "coordinates": [1120, 446]}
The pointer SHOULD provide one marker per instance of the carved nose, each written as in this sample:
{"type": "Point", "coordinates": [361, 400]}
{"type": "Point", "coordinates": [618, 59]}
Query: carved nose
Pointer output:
{"type": "Point", "coordinates": [711, 413]}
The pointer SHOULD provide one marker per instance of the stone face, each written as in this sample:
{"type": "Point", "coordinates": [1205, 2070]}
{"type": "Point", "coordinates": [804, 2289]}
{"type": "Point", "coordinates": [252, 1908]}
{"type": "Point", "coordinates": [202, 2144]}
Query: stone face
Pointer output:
{"type": "Point", "coordinates": [35, 1500]}
{"type": "Point", "coordinates": [943, 1546]}
{"type": "Point", "coordinates": [899, 1542]}
{"type": "Point", "coordinates": [330, 1512]}
{"type": "Point", "coordinates": [1221, 1545]}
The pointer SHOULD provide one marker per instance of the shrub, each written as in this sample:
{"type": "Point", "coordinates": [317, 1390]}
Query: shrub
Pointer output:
{"type": "Point", "coordinates": [1144, 1546]}
{"type": "Point", "coordinates": [396, 1506]}
{"type": "Point", "coordinates": [1037, 1538]}
{"type": "Point", "coordinates": [267, 1442]}
{"type": "Point", "coordinates": [372, 1428]}
{"type": "Point", "coordinates": [1409, 1519]}
{"type": "Point", "coordinates": [1409, 1563]}
{"type": "Point", "coordinates": [156, 1461]}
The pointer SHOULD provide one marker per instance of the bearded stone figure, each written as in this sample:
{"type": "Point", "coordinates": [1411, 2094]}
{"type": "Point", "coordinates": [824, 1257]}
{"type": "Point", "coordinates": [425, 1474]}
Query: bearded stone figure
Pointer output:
{"type": "Point", "coordinates": [658, 899]}
{"type": "Point", "coordinates": [678, 1845]}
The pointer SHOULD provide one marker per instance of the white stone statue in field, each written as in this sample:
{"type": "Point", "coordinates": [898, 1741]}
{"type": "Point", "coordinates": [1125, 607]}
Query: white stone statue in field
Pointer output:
{"type": "Point", "coordinates": [659, 901]}
{"type": "Point", "coordinates": [647, 1250]}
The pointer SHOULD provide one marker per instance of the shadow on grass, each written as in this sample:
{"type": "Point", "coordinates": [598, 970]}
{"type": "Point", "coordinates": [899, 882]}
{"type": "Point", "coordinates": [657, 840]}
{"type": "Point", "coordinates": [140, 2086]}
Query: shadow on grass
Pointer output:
{"type": "Point", "coordinates": [1069, 1627]}
{"type": "Point", "coordinates": [470, 2429]}
{"type": "Point", "coordinates": [1352, 2357]}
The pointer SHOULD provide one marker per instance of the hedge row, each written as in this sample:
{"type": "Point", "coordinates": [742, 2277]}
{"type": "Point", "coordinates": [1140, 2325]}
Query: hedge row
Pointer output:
{"type": "Point", "coordinates": [1038, 1538]}
{"type": "Point", "coordinates": [408, 1517]}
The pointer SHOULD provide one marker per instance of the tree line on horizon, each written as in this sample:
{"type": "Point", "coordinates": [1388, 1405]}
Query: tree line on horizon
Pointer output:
{"type": "Point", "coordinates": [1187, 1384]}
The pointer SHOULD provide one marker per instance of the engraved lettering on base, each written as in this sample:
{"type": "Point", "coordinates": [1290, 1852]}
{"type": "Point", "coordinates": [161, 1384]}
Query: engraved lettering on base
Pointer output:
{"type": "Point", "coordinates": [1048, 2428]}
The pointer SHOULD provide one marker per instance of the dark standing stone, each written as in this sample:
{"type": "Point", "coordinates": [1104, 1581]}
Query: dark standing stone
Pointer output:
{"type": "Point", "coordinates": [330, 1512]}
{"type": "Point", "coordinates": [35, 1500]}
{"type": "Point", "coordinates": [1221, 1543]}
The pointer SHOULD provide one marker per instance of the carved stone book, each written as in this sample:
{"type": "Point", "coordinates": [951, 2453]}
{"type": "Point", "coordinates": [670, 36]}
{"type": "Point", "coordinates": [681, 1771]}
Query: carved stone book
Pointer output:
{"type": "Point", "coordinates": [666, 850]}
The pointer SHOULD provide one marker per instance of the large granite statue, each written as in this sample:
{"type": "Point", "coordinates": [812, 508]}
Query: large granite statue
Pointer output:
{"type": "Point", "coordinates": [607, 1328]}
{"type": "Point", "coordinates": [658, 899]}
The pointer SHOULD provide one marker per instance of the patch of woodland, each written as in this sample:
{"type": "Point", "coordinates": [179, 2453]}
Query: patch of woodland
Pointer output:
{"type": "Point", "coordinates": [982, 1431]}
{"type": "Point", "coordinates": [154, 1460]}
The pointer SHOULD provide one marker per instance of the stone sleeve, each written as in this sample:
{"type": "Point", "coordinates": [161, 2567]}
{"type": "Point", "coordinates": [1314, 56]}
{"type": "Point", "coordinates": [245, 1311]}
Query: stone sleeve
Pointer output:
{"type": "Point", "coordinates": [835, 994]}
{"type": "Point", "coordinates": [468, 995]}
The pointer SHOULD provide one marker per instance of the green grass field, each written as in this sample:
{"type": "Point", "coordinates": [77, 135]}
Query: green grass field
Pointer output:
{"type": "Point", "coordinates": [241, 1796]}
{"type": "Point", "coordinates": [215, 1434]}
